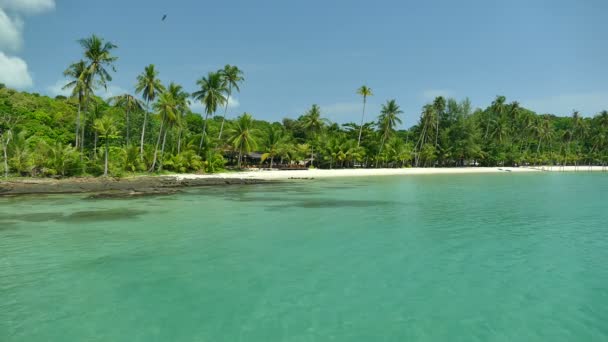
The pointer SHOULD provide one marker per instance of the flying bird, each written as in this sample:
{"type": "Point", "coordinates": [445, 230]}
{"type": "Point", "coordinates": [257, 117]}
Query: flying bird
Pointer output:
{"type": "Point", "coordinates": [164, 17]}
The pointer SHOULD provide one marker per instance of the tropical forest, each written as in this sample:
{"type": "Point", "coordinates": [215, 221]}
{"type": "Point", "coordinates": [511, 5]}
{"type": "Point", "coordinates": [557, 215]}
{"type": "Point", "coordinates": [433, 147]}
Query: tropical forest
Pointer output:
{"type": "Point", "coordinates": [154, 130]}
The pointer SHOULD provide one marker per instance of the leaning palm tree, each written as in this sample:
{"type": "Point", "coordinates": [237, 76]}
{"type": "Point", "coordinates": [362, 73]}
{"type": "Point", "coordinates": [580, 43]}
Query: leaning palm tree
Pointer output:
{"type": "Point", "coordinates": [130, 104]}
{"type": "Point", "coordinates": [98, 56]}
{"type": "Point", "coordinates": [107, 129]}
{"type": "Point", "coordinates": [243, 136]}
{"type": "Point", "coordinates": [211, 94]}
{"type": "Point", "coordinates": [150, 87]}
{"type": "Point", "coordinates": [80, 86]}
{"type": "Point", "coordinates": [387, 121]}
{"type": "Point", "coordinates": [364, 91]}
{"type": "Point", "coordinates": [232, 76]}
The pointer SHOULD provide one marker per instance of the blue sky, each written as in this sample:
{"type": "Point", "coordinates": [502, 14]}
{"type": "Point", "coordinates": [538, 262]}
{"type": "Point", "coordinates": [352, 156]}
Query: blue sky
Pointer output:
{"type": "Point", "coordinates": [548, 55]}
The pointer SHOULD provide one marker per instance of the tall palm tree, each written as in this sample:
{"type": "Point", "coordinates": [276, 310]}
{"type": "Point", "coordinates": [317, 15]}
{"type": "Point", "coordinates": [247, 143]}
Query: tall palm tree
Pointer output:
{"type": "Point", "coordinates": [167, 109]}
{"type": "Point", "coordinates": [106, 128]}
{"type": "Point", "coordinates": [130, 104]}
{"type": "Point", "coordinates": [439, 105]}
{"type": "Point", "coordinates": [212, 93]}
{"type": "Point", "coordinates": [80, 86]}
{"type": "Point", "coordinates": [231, 76]}
{"type": "Point", "coordinates": [275, 139]}
{"type": "Point", "coordinates": [181, 108]}
{"type": "Point", "coordinates": [313, 123]}
{"type": "Point", "coordinates": [243, 136]}
{"type": "Point", "coordinates": [364, 91]}
{"type": "Point", "coordinates": [150, 87]}
{"type": "Point", "coordinates": [387, 121]}
{"type": "Point", "coordinates": [98, 56]}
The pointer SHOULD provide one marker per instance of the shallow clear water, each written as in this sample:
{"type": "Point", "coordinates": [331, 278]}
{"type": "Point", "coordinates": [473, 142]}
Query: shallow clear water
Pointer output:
{"type": "Point", "coordinates": [508, 257]}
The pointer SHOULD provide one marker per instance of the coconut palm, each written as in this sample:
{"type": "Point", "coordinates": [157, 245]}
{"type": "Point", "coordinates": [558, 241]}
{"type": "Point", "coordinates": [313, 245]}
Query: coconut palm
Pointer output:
{"type": "Point", "coordinates": [98, 57]}
{"type": "Point", "coordinates": [387, 121]}
{"type": "Point", "coordinates": [167, 110]}
{"type": "Point", "coordinates": [243, 136]}
{"type": "Point", "coordinates": [128, 103]}
{"type": "Point", "coordinates": [313, 123]}
{"type": "Point", "coordinates": [231, 76]}
{"type": "Point", "coordinates": [364, 91]}
{"type": "Point", "coordinates": [80, 87]}
{"type": "Point", "coordinates": [150, 87]}
{"type": "Point", "coordinates": [212, 93]}
{"type": "Point", "coordinates": [106, 127]}
{"type": "Point", "coordinates": [181, 108]}
{"type": "Point", "coordinates": [275, 139]}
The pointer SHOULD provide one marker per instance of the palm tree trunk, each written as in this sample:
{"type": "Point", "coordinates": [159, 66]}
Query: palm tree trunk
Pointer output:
{"type": "Point", "coordinates": [105, 170]}
{"type": "Point", "coordinates": [362, 119]}
{"type": "Point", "coordinates": [271, 161]}
{"type": "Point", "coordinates": [4, 148]}
{"type": "Point", "coordinates": [95, 146]}
{"type": "Point", "coordinates": [162, 152]}
{"type": "Point", "coordinates": [225, 111]}
{"type": "Point", "coordinates": [78, 125]}
{"type": "Point", "coordinates": [160, 134]}
{"type": "Point", "coordinates": [143, 131]}
{"type": "Point", "coordinates": [240, 157]}
{"type": "Point", "coordinates": [200, 146]}
{"type": "Point", "coordinates": [179, 141]}
{"type": "Point", "coordinates": [128, 127]}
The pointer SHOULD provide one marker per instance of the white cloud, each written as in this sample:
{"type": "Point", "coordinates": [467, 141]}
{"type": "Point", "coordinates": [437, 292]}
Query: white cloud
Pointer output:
{"type": "Point", "coordinates": [57, 88]}
{"type": "Point", "coordinates": [28, 6]}
{"type": "Point", "coordinates": [197, 106]}
{"type": "Point", "coordinates": [588, 104]}
{"type": "Point", "coordinates": [13, 72]}
{"type": "Point", "coordinates": [10, 32]}
{"type": "Point", "coordinates": [431, 94]}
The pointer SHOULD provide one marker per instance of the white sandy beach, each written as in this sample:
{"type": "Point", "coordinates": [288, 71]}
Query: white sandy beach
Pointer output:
{"type": "Point", "coordinates": [318, 173]}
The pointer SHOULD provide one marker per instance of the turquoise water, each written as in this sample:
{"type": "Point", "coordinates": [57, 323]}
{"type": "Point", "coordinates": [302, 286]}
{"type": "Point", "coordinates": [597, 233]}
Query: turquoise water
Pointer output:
{"type": "Point", "coordinates": [506, 257]}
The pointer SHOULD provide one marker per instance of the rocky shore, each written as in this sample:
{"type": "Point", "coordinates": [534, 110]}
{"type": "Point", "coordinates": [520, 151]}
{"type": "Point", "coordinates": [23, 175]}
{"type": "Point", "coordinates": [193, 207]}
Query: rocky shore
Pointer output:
{"type": "Point", "coordinates": [115, 187]}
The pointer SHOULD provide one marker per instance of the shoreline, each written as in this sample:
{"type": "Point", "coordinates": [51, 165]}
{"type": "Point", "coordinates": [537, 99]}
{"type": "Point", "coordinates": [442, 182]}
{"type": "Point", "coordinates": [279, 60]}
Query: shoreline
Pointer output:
{"type": "Point", "coordinates": [336, 173]}
{"type": "Point", "coordinates": [169, 184]}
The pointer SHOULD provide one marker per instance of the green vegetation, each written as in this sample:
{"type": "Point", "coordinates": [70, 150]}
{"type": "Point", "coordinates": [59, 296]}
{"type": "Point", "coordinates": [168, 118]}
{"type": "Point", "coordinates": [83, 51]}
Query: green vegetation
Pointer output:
{"type": "Point", "coordinates": [86, 135]}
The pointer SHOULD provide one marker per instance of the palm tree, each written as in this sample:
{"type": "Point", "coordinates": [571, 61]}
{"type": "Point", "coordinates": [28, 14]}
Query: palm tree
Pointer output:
{"type": "Point", "coordinates": [387, 121]}
{"type": "Point", "coordinates": [313, 123]}
{"type": "Point", "coordinates": [243, 136]}
{"type": "Point", "coordinates": [181, 108]}
{"type": "Point", "coordinates": [106, 128]}
{"type": "Point", "coordinates": [98, 55]}
{"type": "Point", "coordinates": [232, 76]}
{"type": "Point", "coordinates": [364, 91]}
{"type": "Point", "coordinates": [80, 85]}
{"type": "Point", "coordinates": [130, 104]}
{"type": "Point", "coordinates": [167, 109]}
{"type": "Point", "coordinates": [439, 105]}
{"type": "Point", "coordinates": [275, 139]}
{"type": "Point", "coordinates": [211, 94]}
{"type": "Point", "coordinates": [150, 87]}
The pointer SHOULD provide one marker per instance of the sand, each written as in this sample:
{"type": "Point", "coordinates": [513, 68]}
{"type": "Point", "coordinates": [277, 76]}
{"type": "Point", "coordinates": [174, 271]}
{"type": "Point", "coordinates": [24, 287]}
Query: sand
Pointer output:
{"type": "Point", "coordinates": [318, 173]}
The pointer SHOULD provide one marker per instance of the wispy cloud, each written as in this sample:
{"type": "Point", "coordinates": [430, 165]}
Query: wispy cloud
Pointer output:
{"type": "Point", "coordinates": [57, 89]}
{"type": "Point", "coordinates": [28, 6]}
{"type": "Point", "coordinates": [588, 103]}
{"type": "Point", "coordinates": [431, 94]}
{"type": "Point", "coordinates": [197, 107]}
{"type": "Point", "coordinates": [343, 111]}
{"type": "Point", "coordinates": [13, 70]}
